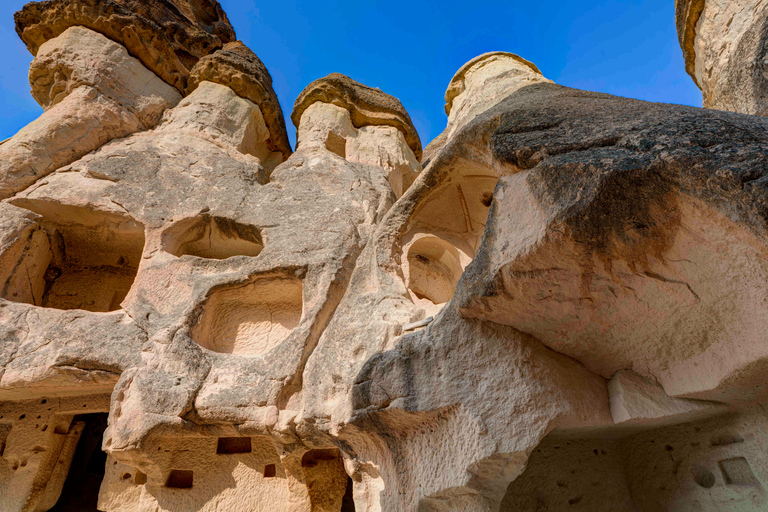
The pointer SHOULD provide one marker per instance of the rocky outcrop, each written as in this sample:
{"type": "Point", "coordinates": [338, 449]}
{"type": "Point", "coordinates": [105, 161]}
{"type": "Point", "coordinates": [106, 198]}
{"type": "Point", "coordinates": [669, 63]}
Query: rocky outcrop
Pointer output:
{"type": "Point", "coordinates": [562, 308]}
{"type": "Point", "coordinates": [92, 92]}
{"type": "Point", "coordinates": [725, 44]}
{"type": "Point", "coordinates": [367, 106]}
{"type": "Point", "coordinates": [237, 67]}
{"type": "Point", "coordinates": [167, 36]}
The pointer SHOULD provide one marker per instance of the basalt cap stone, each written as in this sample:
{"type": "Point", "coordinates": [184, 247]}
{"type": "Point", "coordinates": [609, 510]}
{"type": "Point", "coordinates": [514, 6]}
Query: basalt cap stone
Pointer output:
{"type": "Point", "coordinates": [456, 86]}
{"type": "Point", "coordinates": [366, 105]}
{"type": "Point", "coordinates": [237, 67]}
{"type": "Point", "coordinates": [687, 13]}
{"type": "Point", "coordinates": [167, 36]}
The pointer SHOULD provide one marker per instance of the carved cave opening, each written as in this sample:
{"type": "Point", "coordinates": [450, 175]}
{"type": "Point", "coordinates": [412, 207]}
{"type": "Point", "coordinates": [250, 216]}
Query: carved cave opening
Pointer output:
{"type": "Point", "coordinates": [712, 464]}
{"type": "Point", "coordinates": [328, 485]}
{"type": "Point", "coordinates": [74, 258]}
{"type": "Point", "coordinates": [86, 472]}
{"type": "Point", "coordinates": [250, 319]}
{"type": "Point", "coordinates": [444, 236]}
{"type": "Point", "coordinates": [434, 269]}
{"type": "Point", "coordinates": [212, 237]}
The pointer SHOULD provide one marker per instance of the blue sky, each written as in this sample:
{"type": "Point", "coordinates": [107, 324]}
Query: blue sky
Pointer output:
{"type": "Point", "coordinates": [411, 49]}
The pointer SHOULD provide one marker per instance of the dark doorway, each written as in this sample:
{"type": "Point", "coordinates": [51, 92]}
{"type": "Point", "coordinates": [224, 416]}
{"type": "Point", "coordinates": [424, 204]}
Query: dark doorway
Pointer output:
{"type": "Point", "coordinates": [348, 503]}
{"type": "Point", "coordinates": [81, 488]}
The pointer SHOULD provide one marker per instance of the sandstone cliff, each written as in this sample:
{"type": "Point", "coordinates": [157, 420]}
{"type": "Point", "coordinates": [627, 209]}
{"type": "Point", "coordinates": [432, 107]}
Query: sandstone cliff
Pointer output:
{"type": "Point", "coordinates": [557, 305]}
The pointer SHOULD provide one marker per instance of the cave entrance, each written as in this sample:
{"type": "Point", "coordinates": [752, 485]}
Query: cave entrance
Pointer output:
{"type": "Point", "coordinates": [81, 488]}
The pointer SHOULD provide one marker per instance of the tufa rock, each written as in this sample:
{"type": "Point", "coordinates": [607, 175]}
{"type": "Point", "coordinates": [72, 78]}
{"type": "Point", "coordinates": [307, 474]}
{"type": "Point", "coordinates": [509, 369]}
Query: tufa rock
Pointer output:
{"type": "Point", "coordinates": [167, 36]}
{"type": "Point", "coordinates": [563, 310]}
{"type": "Point", "coordinates": [725, 45]}
{"type": "Point", "coordinates": [92, 92]}
{"type": "Point", "coordinates": [237, 67]}
{"type": "Point", "coordinates": [367, 106]}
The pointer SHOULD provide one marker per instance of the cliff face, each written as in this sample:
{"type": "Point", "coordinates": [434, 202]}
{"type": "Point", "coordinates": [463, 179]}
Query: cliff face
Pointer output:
{"type": "Point", "coordinates": [725, 45]}
{"type": "Point", "coordinates": [560, 304]}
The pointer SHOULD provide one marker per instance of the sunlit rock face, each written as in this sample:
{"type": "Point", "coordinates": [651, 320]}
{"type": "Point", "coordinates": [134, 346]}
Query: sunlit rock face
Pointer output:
{"type": "Point", "coordinates": [558, 305]}
{"type": "Point", "coordinates": [725, 45]}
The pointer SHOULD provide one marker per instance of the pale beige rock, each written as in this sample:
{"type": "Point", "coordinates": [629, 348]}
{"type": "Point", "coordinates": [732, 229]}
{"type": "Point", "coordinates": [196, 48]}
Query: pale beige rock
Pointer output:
{"type": "Point", "coordinates": [237, 67]}
{"type": "Point", "coordinates": [724, 44]}
{"type": "Point", "coordinates": [94, 92]}
{"type": "Point", "coordinates": [216, 113]}
{"type": "Point", "coordinates": [367, 106]}
{"type": "Point", "coordinates": [328, 126]}
{"type": "Point", "coordinates": [81, 57]}
{"type": "Point", "coordinates": [38, 440]}
{"type": "Point", "coordinates": [524, 324]}
{"type": "Point", "coordinates": [638, 400]}
{"type": "Point", "coordinates": [484, 81]}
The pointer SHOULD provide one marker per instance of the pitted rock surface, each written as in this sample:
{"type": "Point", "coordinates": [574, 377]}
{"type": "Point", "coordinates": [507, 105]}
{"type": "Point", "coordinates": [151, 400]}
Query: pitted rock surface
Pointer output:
{"type": "Point", "coordinates": [562, 308]}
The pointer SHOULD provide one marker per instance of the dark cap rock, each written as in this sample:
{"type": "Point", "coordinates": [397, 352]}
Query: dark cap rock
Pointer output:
{"type": "Point", "coordinates": [237, 67]}
{"type": "Point", "coordinates": [366, 105]}
{"type": "Point", "coordinates": [167, 36]}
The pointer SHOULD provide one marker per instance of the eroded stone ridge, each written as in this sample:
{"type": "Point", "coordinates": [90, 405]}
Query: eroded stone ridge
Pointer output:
{"type": "Point", "coordinates": [563, 309]}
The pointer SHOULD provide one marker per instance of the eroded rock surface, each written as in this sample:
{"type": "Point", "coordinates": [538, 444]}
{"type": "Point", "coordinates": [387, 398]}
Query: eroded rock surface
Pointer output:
{"type": "Point", "coordinates": [562, 309]}
{"type": "Point", "coordinates": [167, 36]}
{"type": "Point", "coordinates": [725, 45]}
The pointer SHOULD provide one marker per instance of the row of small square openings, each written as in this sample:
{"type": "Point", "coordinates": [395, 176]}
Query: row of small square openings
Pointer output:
{"type": "Point", "coordinates": [184, 478]}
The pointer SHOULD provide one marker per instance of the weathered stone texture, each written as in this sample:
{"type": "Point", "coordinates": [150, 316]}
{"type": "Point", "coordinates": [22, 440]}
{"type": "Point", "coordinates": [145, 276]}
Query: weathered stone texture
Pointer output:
{"type": "Point", "coordinates": [562, 309]}
{"type": "Point", "coordinates": [366, 106]}
{"type": "Point", "coordinates": [92, 92]}
{"type": "Point", "coordinates": [725, 45]}
{"type": "Point", "coordinates": [167, 36]}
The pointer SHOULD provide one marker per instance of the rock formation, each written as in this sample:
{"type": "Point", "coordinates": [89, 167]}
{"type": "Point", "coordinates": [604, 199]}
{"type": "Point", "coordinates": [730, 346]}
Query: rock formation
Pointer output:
{"type": "Point", "coordinates": [558, 306]}
{"type": "Point", "coordinates": [725, 45]}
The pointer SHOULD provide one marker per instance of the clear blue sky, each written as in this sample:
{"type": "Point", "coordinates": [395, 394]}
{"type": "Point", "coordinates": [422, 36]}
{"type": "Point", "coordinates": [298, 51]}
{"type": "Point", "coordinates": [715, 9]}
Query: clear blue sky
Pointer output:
{"type": "Point", "coordinates": [411, 49]}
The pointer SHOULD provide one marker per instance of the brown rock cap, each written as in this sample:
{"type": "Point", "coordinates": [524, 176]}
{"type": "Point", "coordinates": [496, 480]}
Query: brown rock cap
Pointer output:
{"type": "Point", "coordinates": [237, 67]}
{"type": "Point", "coordinates": [167, 36]}
{"type": "Point", "coordinates": [456, 86]}
{"type": "Point", "coordinates": [687, 14]}
{"type": "Point", "coordinates": [366, 105]}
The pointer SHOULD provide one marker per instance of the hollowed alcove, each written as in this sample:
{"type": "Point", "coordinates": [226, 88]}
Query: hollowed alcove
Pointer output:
{"type": "Point", "coordinates": [212, 237]}
{"type": "Point", "coordinates": [445, 232]}
{"type": "Point", "coordinates": [434, 268]}
{"type": "Point", "coordinates": [328, 486]}
{"type": "Point", "coordinates": [75, 258]}
{"type": "Point", "coordinates": [250, 319]}
{"type": "Point", "coordinates": [712, 464]}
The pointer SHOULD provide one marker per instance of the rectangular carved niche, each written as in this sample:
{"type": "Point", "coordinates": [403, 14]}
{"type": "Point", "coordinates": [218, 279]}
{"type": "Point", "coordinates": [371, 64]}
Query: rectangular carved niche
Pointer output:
{"type": "Point", "coordinates": [74, 258]}
{"type": "Point", "coordinates": [232, 445]}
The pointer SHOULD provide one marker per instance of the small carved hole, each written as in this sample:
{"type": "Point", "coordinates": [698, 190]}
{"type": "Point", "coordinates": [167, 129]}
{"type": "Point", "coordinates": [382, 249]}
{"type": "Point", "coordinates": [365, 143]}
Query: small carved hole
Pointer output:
{"type": "Point", "coordinates": [180, 479]}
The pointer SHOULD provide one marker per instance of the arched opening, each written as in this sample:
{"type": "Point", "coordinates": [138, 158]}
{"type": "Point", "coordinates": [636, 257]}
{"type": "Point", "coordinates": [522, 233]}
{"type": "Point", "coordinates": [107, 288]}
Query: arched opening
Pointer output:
{"type": "Point", "coordinates": [444, 234]}
{"type": "Point", "coordinates": [74, 258]}
{"type": "Point", "coordinates": [80, 492]}
{"type": "Point", "coordinates": [434, 268]}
